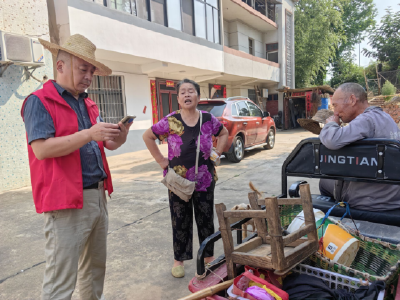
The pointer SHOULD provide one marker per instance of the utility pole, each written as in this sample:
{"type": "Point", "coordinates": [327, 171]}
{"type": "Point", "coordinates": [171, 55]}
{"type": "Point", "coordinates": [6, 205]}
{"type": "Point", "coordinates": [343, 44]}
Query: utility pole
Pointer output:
{"type": "Point", "coordinates": [359, 54]}
{"type": "Point", "coordinates": [366, 83]}
{"type": "Point", "coordinates": [378, 79]}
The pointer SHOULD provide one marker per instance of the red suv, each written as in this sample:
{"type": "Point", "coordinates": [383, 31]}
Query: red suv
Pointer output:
{"type": "Point", "coordinates": [249, 127]}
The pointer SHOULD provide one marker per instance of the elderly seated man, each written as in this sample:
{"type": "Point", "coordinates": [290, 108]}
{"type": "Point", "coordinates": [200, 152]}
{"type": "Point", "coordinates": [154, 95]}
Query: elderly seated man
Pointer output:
{"type": "Point", "coordinates": [351, 106]}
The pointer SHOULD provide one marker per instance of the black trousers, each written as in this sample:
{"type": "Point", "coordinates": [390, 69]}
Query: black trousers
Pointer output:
{"type": "Point", "coordinates": [182, 222]}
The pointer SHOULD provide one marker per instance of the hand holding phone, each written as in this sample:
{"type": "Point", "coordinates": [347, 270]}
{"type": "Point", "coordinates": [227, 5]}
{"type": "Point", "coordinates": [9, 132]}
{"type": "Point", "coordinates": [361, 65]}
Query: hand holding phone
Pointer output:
{"type": "Point", "coordinates": [127, 119]}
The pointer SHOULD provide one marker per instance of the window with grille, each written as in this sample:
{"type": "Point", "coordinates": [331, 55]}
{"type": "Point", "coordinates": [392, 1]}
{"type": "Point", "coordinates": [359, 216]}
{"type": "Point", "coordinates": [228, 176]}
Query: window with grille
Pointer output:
{"type": "Point", "coordinates": [271, 10]}
{"type": "Point", "coordinates": [108, 93]}
{"type": "Point", "coordinates": [252, 94]}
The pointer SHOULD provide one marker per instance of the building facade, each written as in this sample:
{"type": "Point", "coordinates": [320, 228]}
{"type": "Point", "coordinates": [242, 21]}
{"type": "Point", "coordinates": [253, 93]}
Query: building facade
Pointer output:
{"type": "Point", "coordinates": [28, 18]}
{"type": "Point", "coordinates": [227, 46]}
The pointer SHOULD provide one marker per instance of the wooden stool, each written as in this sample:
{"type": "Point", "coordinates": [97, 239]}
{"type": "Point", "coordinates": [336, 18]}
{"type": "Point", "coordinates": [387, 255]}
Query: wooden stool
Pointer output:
{"type": "Point", "coordinates": [269, 250]}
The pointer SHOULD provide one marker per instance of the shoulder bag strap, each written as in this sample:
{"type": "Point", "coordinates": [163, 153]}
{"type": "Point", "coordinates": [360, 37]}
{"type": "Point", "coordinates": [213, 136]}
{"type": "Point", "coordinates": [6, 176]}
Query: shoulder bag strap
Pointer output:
{"type": "Point", "coordinates": [198, 148]}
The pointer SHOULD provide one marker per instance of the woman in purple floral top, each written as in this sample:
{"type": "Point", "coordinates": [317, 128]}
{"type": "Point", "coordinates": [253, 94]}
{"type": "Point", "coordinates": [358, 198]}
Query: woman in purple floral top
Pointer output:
{"type": "Point", "coordinates": [181, 129]}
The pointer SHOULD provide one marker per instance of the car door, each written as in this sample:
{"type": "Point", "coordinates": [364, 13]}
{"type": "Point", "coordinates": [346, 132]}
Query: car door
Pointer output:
{"type": "Point", "coordinates": [244, 115]}
{"type": "Point", "coordinates": [248, 122]}
{"type": "Point", "coordinates": [261, 126]}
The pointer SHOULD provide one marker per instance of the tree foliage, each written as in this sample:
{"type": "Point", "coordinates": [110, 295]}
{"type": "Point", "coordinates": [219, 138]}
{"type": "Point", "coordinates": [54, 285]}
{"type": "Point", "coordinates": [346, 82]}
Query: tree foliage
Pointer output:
{"type": "Point", "coordinates": [385, 40]}
{"type": "Point", "coordinates": [325, 33]}
{"type": "Point", "coordinates": [370, 70]}
{"type": "Point", "coordinates": [346, 71]}
{"type": "Point", "coordinates": [318, 33]}
{"type": "Point", "coordinates": [357, 17]}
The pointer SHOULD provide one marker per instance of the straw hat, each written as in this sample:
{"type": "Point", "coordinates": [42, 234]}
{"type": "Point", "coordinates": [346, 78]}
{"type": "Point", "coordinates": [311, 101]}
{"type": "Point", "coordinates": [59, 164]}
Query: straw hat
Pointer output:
{"type": "Point", "coordinates": [313, 124]}
{"type": "Point", "coordinates": [81, 47]}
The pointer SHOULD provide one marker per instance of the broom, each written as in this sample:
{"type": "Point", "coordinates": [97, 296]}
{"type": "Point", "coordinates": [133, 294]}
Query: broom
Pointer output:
{"type": "Point", "coordinates": [212, 290]}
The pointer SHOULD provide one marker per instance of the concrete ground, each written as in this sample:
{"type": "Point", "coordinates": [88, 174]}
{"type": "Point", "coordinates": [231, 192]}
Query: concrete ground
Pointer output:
{"type": "Point", "coordinates": [140, 252]}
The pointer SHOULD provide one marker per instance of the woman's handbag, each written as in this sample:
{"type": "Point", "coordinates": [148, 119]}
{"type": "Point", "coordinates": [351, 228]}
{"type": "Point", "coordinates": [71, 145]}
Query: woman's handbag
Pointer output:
{"type": "Point", "coordinates": [180, 186]}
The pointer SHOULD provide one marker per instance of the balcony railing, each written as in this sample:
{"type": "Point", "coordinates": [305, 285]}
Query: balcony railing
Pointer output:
{"type": "Point", "coordinates": [263, 6]}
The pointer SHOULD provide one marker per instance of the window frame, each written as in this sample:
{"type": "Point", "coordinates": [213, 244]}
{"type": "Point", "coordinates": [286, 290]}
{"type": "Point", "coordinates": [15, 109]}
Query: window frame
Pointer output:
{"type": "Point", "coordinates": [271, 97]}
{"type": "Point", "coordinates": [107, 3]}
{"type": "Point", "coordinates": [245, 102]}
{"type": "Point", "coordinates": [234, 105]}
{"type": "Point", "coordinates": [215, 9]}
{"type": "Point", "coordinates": [251, 52]}
{"type": "Point", "coordinates": [255, 94]}
{"type": "Point", "coordinates": [211, 85]}
{"type": "Point", "coordinates": [270, 10]}
{"type": "Point", "coordinates": [272, 51]}
{"type": "Point", "coordinates": [218, 9]}
{"type": "Point", "coordinates": [149, 6]}
{"type": "Point", "coordinates": [248, 105]}
{"type": "Point", "coordinates": [193, 16]}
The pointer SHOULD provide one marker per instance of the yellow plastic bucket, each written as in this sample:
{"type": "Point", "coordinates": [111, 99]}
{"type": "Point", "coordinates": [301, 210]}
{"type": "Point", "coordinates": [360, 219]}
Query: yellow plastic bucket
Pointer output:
{"type": "Point", "coordinates": [339, 246]}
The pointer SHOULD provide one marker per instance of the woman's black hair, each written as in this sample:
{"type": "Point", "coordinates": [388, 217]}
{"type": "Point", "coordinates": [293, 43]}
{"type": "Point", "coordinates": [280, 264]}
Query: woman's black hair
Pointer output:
{"type": "Point", "coordinates": [194, 83]}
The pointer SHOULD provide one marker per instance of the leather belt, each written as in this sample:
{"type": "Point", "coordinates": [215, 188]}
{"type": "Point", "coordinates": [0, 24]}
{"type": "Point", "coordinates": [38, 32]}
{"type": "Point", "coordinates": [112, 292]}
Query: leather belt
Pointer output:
{"type": "Point", "coordinates": [93, 186]}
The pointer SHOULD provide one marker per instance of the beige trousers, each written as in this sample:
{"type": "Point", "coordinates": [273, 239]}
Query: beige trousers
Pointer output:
{"type": "Point", "coordinates": [76, 245]}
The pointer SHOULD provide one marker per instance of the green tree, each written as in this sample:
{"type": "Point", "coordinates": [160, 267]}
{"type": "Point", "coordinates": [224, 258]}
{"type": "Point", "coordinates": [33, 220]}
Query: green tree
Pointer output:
{"type": "Point", "coordinates": [347, 71]}
{"type": "Point", "coordinates": [385, 40]}
{"type": "Point", "coordinates": [358, 16]}
{"type": "Point", "coordinates": [318, 33]}
{"type": "Point", "coordinates": [370, 70]}
{"type": "Point", "coordinates": [326, 32]}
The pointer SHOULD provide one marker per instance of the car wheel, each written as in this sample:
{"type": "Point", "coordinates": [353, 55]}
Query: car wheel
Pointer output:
{"type": "Point", "coordinates": [238, 150]}
{"type": "Point", "coordinates": [270, 140]}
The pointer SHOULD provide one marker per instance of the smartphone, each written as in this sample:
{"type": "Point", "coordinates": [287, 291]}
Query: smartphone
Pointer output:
{"type": "Point", "coordinates": [127, 119]}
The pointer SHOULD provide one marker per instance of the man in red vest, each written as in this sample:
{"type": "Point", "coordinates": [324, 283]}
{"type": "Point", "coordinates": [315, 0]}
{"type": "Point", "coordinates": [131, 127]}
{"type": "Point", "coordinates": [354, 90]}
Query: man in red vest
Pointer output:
{"type": "Point", "coordinates": [69, 172]}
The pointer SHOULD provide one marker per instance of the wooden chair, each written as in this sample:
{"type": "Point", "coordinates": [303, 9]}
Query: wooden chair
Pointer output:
{"type": "Point", "coordinates": [269, 250]}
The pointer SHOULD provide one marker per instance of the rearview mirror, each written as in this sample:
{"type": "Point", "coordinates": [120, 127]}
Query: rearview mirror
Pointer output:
{"type": "Point", "coordinates": [266, 114]}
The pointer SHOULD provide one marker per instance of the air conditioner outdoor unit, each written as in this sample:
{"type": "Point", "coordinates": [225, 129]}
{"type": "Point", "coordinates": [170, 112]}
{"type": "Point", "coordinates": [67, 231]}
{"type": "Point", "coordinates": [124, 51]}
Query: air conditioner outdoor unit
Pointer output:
{"type": "Point", "coordinates": [20, 50]}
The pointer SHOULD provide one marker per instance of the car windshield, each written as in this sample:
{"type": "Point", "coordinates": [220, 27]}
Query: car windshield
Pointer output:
{"type": "Point", "coordinates": [216, 109]}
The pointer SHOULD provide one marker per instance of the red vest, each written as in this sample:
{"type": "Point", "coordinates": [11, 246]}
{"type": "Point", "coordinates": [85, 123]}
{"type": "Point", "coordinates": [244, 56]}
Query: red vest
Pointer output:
{"type": "Point", "coordinates": [57, 182]}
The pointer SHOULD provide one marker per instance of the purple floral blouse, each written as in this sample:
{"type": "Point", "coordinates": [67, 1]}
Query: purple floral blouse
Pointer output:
{"type": "Point", "coordinates": [182, 145]}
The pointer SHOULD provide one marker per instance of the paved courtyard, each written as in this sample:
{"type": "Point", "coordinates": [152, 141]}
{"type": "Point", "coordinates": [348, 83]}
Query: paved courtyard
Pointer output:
{"type": "Point", "coordinates": [140, 237]}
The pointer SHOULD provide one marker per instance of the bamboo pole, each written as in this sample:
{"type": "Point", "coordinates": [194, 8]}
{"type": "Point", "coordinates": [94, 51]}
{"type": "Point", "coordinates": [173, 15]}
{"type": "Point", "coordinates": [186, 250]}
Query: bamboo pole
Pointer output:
{"type": "Point", "coordinates": [384, 96]}
{"type": "Point", "coordinates": [209, 291]}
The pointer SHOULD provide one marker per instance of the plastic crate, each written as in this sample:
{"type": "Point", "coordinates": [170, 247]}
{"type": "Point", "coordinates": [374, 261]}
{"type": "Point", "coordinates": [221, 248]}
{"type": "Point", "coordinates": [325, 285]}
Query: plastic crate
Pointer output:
{"type": "Point", "coordinates": [334, 280]}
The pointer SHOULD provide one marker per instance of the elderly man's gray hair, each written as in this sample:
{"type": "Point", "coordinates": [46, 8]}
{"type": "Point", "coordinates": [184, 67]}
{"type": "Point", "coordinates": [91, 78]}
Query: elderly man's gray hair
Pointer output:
{"type": "Point", "coordinates": [355, 89]}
